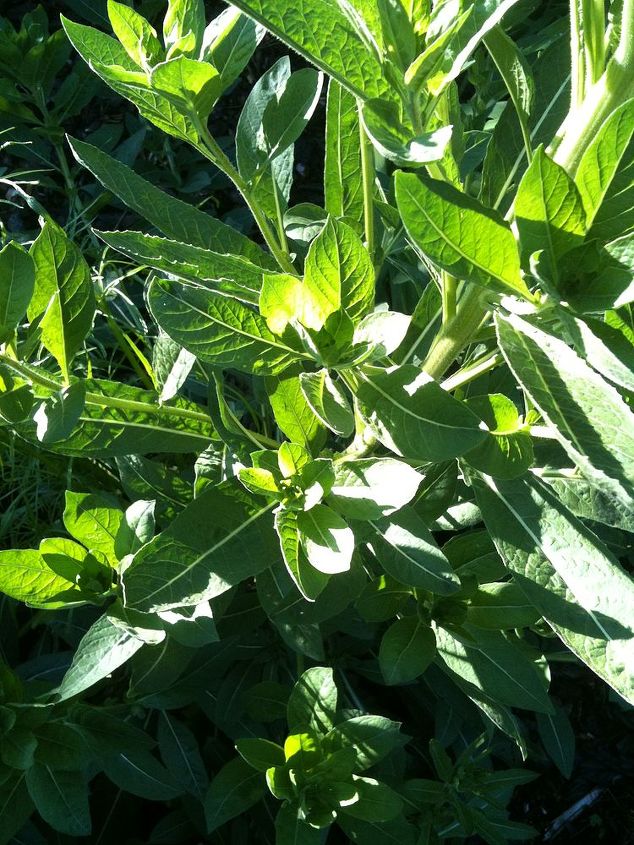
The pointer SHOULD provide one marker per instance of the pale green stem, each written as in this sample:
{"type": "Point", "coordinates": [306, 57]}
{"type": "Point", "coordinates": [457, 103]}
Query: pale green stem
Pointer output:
{"type": "Point", "coordinates": [577, 55]}
{"type": "Point", "coordinates": [367, 177]}
{"type": "Point", "coordinates": [449, 289]}
{"type": "Point", "coordinates": [456, 334]}
{"type": "Point", "coordinates": [472, 371]}
{"type": "Point", "coordinates": [280, 219]}
{"type": "Point", "coordinates": [594, 39]}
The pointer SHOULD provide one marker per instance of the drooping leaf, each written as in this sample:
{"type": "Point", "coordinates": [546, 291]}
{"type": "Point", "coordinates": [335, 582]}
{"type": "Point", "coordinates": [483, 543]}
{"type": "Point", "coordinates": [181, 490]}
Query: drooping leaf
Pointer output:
{"type": "Point", "coordinates": [181, 754]}
{"type": "Point", "coordinates": [558, 738]}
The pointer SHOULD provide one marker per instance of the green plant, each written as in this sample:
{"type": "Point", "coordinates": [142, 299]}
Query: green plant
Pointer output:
{"type": "Point", "coordinates": [412, 412]}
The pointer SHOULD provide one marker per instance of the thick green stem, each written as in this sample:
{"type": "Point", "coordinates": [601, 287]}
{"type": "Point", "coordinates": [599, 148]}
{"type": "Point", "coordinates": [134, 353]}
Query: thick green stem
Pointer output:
{"type": "Point", "coordinates": [594, 39]}
{"type": "Point", "coordinates": [456, 334]}
{"type": "Point", "coordinates": [367, 176]}
{"type": "Point", "coordinates": [449, 289]}
{"type": "Point", "coordinates": [577, 55]}
{"type": "Point", "coordinates": [211, 150]}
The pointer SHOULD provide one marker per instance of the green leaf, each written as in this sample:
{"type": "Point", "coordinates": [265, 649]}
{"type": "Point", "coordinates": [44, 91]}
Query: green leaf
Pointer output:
{"type": "Point", "coordinates": [184, 25]}
{"type": "Point", "coordinates": [234, 790]}
{"type": "Point", "coordinates": [221, 538]}
{"type": "Point", "coordinates": [61, 799]}
{"type": "Point", "coordinates": [285, 298]}
{"type": "Point", "coordinates": [585, 500]}
{"type": "Point", "coordinates": [500, 606]}
{"type": "Point", "coordinates": [193, 87]}
{"type": "Point", "coordinates": [598, 173]}
{"type": "Point", "coordinates": [334, 46]}
{"type": "Point", "coordinates": [141, 774]}
{"type": "Point", "coordinates": [328, 401]}
{"type": "Point", "coordinates": [558, 738]}
{"type": "Point", "coordinates": [181, 755]}
{"type": "Point", "coordinates": [343, 185]}
{"type": "Point", "coordinates": [229, 42]}
{"type": "Point", "coordinates": [15, 806]}
{"type": "Point", "coordinates": [291, 830]}
{"type": "Point", "coordinates": [25, 576]}
{"type": "Point", "coordinates": [94, 521]}
{"type": "Point", "coordinates": [261, 754]}
{"type": "Point", "coordinates": [507, 451]}
{"type": "Point", "coordinates": [219, 331]}
{"type": "Point", "coordinates": [372, 737]}
{"type": "Point", "coordinates": [63, 295]}
{"type": "Point", "coordinates": [231, 275]}
{"type": "Point", "coordinates": [17, 283]}
{"type": "Point", "coordinates": [369, 488]}
{"type": "Point", "coordinates": [293, 413]}
{"type": "Point", "coordinates": [397, 141]}
{"type": "Point", "coordinates": [57, 417]}
{"type": "Point", "coordinates": [309, 581]}
{"type": "Point", "coordinates": [407, 648]}
{"type": "Point", "coordinates": [408, 552]}
{"type": "Point", "coordinates": [286, 116]}
{"type": "Point", "coordinates": [493, 664]}
{"type": "Point", "coordinates": [339, 267]}
{"type": "Point", "coordinates": [313, 702]}
{"type": "Point", "coordinates": [459, 234]}
{"type": "Point", "coordinates": [587, 415]}
{"type": "Point", "coordinates": [606, 349]}
{"type": "Point", "coordinates": [326, 539]}
{"type": "Point", "coordinates": [566, 573]}
{"type": "Point", "coordinates": [136, 35]}
{"type": "Point", "coordinates": [175, 218]}
{"type": "Point", "coordinates": [61, 746]}
{"type": "Point", "coordinates": [395, 832]}
{"type": "Point", "coordinates": [514, 70]}
{"type": "Point", "coordinates": [104, 648]}
{"type": "Point", "coordinates": [549, 213]}
{"type": "Point", "coordinates": [384, 331]}
{"type": "Point", "coordinates": [413, 416]}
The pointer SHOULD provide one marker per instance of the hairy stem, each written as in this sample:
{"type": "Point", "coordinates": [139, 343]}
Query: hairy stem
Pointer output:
{"type": "Point", "coordinates": [367, 175]}
{"type": "Point", "coordinates": [456, 334]}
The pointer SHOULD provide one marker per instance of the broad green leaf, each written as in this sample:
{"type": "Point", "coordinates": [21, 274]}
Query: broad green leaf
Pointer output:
{"type": "Point", "coordinates": [383, 330]}
{"type": "Point", "coordinates": [61, 747]}
{"type": "Point", "coordinates": [369, 488]}
{"type": "Point", "coordinates": [413, 416]}
{"type": "Point", "coordinates": [171, 366]}
{"type": "Point", "coordinates": [588, 416]}
{"type": "Point", "coordinates": [558, 738]}
{"type": "Point", "coordinates": [61, 799]}
{"type": "Point", "coordinates": [25, 576]}
{"type": "Point", "coordinates": [184, 25]}
{"type": "Point", "coordinates": [586, 501]}
{"type": "Point", "coordinates": [229, 42]}
{"type": "Point", "coordinates": [293, 413]}
{"type": "Point", "coordinates": [141, 774]}
{"type": "Point", "coordinates": [217, 541]}
{"type": "Point", "coordinates": [309, 581]}
{"type": "Point", "coordinates": [493, 664]}
{"type": "Point", "coordinates": [175, 218]}
{"type": "Point", "coordinates": [507, 451]}
{"type": "Point", "coordinates": [567, 573]}
{"type": "Point", "coordinates": [136, 529]}
{"type": "Point", "coordinates": [407, 648]}
{"type": "Point", "coordinates": [193, 87]}
{"type": "Point", "coordinates": [17, 283]}
{"type": "Point", "coordinates": [233, 791]}
{"type": "Point", "coordinates": [377, 801]}
{"type": "Point", "coordinates": [326, 538]}
{"type": "Point", "coordinates": [136, 35]}
{"type": "Point", "coordinates": [398, 32]}
{"type": "Point", "coordinates": [407, 551]}
{"type": "Point", "coordinates": [218, 330]}
{"type": "Point", "coordinates": [500, 607]}
{"type": "Point", "coordinates": [286, 116]}
{"type": "Point", "coordinates": [549, 214]}
{"type": "Point", "coordinates": [313, 701]}
{"type": "Point", "coordinates": [397, 141]}
{"type": "Point", "coordinates": [599, 169]}
{"type": "Point", "coordinates": [104, 648]}
{"type": "Point", "coordinates": [107, 58]}
{"type": "Point", "coordinates": [181, 755]}
{"type": "Point", "coordinates": [428, 67]}
{"type": "Point", "coordinates": [328, 401]}
{"type": "Point", "coordinates": [145, 479]}
{"type": "Point", "coordinates": [343, 185]}
{"type": "Point", "coordinates": [606, 349]}
{"type": "Point", "coordinates": [340, 268]}
{"type": "Point", "coordinates": [261, 754]}
{"type": "Point", "coordinates": [94, 521]}
{"type": "Point", "coordinates": [57, 417]}
{"type": "Point", "coordinates": [291, 830]}
{"type": "Point", "coordinates": [514, 70]}
{"type": "Point", "coordinates": [15, 806]}
{"type": "Point", "coordinates": [460, 235]}
{"type": "Point", "coordinates": [334, 45]}
{"type": "Point", "coordinates": [230, 275]}
{"type": "Point", "coordinates": [285, 298]}
{"type": "Point", "coordinates": [63, 295]}
{"type": "Point", "coordinates": [372, 737]}
{"type": "Point", "coordinates": [396, 832]}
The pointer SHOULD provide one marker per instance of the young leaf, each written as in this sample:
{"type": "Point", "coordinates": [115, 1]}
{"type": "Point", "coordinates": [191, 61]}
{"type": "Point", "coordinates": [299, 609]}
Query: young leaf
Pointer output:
{"type": "Point", "coordinates": [221, 538]}
{"type": "Point", "coordinates": [372, 737]}
{"type": "Point", "coordinates": [397, 141]}
{"type": "Point", "coordinates": [184, 25]}
{"type": "Point", "coordinates": [407, 551]}
{"type": "Point", "coordinates": [192, 87]}
{"type": "Point", "coordinates": [313, 702]}
{"type": "Point", "coordinates": [343, 185]}
{"type": "Point", "coordinates": [261, 754]}
{"type": "Point", "coordinates": [218, 330]}
{"type": "Point", "coordinates": [309, 581]}
{"type": "Point", "coordinates": [285, 298]}
{"type": "Point", "coordinates": [507, 451]}
{"type": "Point", "coordinates": [229, 42]}
{"type": "Point", "coordinates": [460, 235]}
{"type": "Point", "coordinates": [326, 538]}
{"type": "Point", "coordinates": [515, 71]}
{"type": "Point", "coordinates": [588, 417]}
{"type": "Point", "coordinates": [26, 577]}
{"type": "Point", "coordinates": [63, 295]}
{"type": "Point", "coordinates": [567, 574]}
{"type": "Point", "coordinates": [234, 790]}
{"type": "Point", "coordinates": [94, 521]}
{"type": "Point", "coordinates": [17, 283]}
{"type": "Point", "coordinates": [328, 401]}
{"type": "Point", "coordinates": [407, 648]}
{"type": "Point", "coordinates": [369, 488]}
{"type": "Point", "coordinates": [104, 648]}
{"type": "Point", "coordinates": [412, 415]}
{"type": "Point", "coordinates": [549, 213]}
{"type": "Point", "coordinates": [136, 35]}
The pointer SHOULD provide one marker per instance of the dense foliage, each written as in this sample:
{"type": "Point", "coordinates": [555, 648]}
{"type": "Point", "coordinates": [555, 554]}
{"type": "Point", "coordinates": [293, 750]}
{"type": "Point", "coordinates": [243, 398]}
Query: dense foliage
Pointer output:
{"type": "Point", "coordinates": [310, 498]}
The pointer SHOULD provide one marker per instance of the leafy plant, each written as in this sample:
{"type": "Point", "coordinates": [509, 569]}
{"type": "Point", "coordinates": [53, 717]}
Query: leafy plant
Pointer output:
{"type": "Point", "coordinates": [411, 411]}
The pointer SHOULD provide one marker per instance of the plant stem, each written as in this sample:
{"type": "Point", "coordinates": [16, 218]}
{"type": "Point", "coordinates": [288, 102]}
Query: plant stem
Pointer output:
{"type": "Point", "coordinates": [472, 371]}
{"type": "Point", "coordinates": [577, 56]}
{"type": "Point", "coordinates": [449, 289]}
{"type": "Point", "coordinates": [456, 334]}
{"type": "Point", "coordinates": [367, 176]}
{"type": "Point", "coordinates": [594, 39]}
{"type": "Point", "coordinates": [211, 150]}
